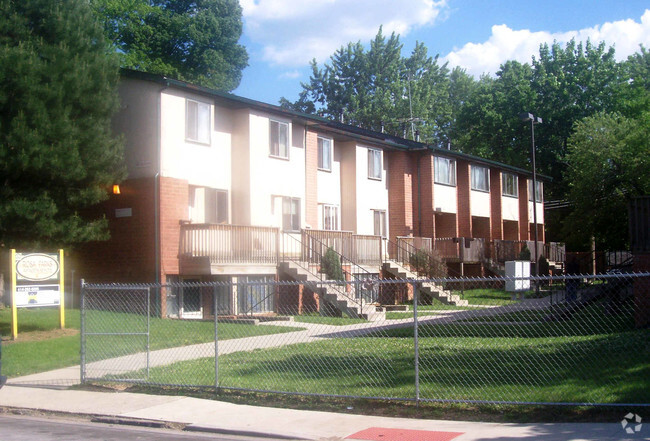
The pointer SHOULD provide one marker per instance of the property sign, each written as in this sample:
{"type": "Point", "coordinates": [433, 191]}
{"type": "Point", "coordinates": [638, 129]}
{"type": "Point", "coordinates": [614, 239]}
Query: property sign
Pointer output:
{"type": "Point", "coordinates": [36, 280]}
{"type": "Point", "coordinates": [38, 295]}
{"type": "Point", "coordinates": [37, 267]}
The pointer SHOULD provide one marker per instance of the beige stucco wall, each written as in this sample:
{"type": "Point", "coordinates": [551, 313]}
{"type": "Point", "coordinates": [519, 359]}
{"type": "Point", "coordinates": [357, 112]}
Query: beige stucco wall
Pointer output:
{"type": "Point", "coordinates": [329, 185]}
{"type": "Point", "coordinates": [540, 209]}
{"type": "Point", "coordinates": [479, 203]}
{"type": "Point", "coordinates": [206, 165]}
{"type": "Point", "coordinates": [348, 155]}
{"type": "Point", "coordinates": [372, 194]}
{"type": "Point", "coordinates": [271, 177]}
{"type": "Point", "coordinates": [509, 208]}
{"type": "Point", "coordinates": [138, 118]}
{"type": "Point", "coordinates": [445, 198]}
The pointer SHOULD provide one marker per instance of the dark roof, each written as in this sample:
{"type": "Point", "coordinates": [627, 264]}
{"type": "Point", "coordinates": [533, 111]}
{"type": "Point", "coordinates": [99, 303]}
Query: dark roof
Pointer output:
{"type": "Point", "coordinates": [315, 121]}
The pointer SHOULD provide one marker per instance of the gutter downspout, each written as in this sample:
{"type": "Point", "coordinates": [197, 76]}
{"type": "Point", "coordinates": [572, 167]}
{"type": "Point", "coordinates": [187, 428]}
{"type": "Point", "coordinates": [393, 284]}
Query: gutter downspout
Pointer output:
{"type": "Point", "coordinates": [156, 189]}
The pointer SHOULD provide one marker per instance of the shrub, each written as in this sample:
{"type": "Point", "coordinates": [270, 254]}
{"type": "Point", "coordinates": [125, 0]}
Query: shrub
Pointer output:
{"type": "Point", "coordinates": [428, 264]}
{"type": "Point", "coordinates": [331, 265]}
{"type": "Point", "coordinates": [524, 254]}
{"type": "Point", "coordinates": [543, 266]}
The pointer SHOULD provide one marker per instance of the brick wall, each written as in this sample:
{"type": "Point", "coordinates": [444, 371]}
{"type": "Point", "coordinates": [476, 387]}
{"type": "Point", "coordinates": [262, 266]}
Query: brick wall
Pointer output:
{"type": "Point", "coordinates": [174, 194]}
{"type": "Point", "coordinates": [523, 208]}
{"type": "Point", "coordinates": [128, 256]}
{"type": "Point", "coordinates": [463, 187]}
{"type": "Point", "coordinates": [400, 193]}
{"type": "Point", "coordinates": [446, 225]}
{"type": "Point", "coordinates": [496, 221]}
{"type": "Point", "coordinates": [311, 179]}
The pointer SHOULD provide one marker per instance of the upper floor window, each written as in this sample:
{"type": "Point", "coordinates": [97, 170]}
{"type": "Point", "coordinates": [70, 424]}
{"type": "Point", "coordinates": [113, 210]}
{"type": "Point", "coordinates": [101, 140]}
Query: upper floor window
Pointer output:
{"type": "Point", "coordinates": [324, 154]}
{"type": "Point", "coordinates": [444, 171]}
{"type": "Point", "coordinates": [480, 178]}
{"type": "Point", "coordinates": [279, 139]}
{"type": "Point", "coordinates": [197, 121]}
{"type": "Point", "coordinates": [290, 214]}
{"type": "Point", "coordinates": [374, 164]}
{"type": "Point", "coordinates": [539, 193]}
{"type": "Point", "coordinates": [509, 184]}
{"type": "Point", "coordinates": [330, 217]}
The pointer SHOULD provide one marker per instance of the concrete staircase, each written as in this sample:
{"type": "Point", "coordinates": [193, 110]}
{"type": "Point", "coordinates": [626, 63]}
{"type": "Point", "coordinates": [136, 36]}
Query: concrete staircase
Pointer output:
{"type": "Point", "coordinates": [426, 288]}
{"type": "Point", "coordinates": [334, 295]}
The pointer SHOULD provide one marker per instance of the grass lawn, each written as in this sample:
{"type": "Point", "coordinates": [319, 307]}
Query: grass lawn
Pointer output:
{"type": "Point", "coordinates": [324, 320]}
{"type": "Point", "coordinates": [486, 296]}
{"type": "Point", "coordinates": [41, 346]}
{"type": "Point", "coordinates": [590, 358]}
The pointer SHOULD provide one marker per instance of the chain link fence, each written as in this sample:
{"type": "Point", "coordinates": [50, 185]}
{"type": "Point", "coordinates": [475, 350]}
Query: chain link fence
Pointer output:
{"type": "Point", "coordinates": [561, 340]}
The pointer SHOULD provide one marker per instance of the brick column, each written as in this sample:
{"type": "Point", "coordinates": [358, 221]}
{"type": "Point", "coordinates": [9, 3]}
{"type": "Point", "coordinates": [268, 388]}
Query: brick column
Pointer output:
{"type": "Point", "coordinates": [496, 220]}
{"type": "Point", "coordinates": [311, 179]}
{"type": "Point", "coordinates": [174, 195]}
{"type": "Point", "coordinates": [400, 193]}
{"type": "Point", "coordinates": [464, 216]}
{"type": "Point", "coordinates": [524, 224]}
{"type": "Point", "coordinates": [427, 213]}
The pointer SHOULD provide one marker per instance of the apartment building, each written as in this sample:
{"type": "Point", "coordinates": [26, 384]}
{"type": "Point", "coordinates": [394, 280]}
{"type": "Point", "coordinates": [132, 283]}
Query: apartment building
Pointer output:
{"type": "Point", "coordinates": [225, 188]}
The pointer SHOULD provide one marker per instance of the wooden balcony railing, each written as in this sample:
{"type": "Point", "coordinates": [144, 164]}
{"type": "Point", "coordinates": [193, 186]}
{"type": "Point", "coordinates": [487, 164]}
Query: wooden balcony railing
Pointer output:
{"type": "Point", "coordinates": [366, 249]}
{"type": "Point", "coordinates": [461, 249]}
{"type": "Point", "coordinates": [230, 244]}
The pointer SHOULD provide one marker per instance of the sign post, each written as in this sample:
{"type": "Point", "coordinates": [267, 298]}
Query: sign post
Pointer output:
{"type": "Point", "coordinates": [37, 279]}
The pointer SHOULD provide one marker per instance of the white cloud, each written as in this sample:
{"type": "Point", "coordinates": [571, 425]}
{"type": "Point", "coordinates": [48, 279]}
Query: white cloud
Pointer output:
{"type": "Point", "coordinates": [508, 44]}
{"type": "Point", "coordinates": [291, 75]}
{"type": "Point", "coordinates": [322, 26]}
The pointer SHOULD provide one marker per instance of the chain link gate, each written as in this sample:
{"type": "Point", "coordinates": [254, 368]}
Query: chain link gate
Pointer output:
{"type": "Point", "coordinates": [115, 333]}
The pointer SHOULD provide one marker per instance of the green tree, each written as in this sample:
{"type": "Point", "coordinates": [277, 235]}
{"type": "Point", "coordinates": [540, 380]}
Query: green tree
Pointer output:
{"type": "Point", "coordinates": [488, 124]}
{"type": "Point", "coordinates": [608, 162]}
{"type": "Point", "coordinates": [58, 84]}
{"type": "Point", "coordinates": [379, 87]}
{"type": "Point", "coordinates": [191, 40]}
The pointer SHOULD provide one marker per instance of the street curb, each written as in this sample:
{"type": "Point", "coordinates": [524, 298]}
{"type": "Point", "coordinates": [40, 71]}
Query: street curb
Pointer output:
{"type": "Point", "coordinates": [126, 421]}
{"type": "Point", "coordinates": [249, 433]}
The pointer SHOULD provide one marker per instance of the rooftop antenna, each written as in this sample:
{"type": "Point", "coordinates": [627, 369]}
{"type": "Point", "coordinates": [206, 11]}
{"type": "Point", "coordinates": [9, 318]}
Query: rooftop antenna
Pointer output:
{"type": "Point", "coordinates": [411, 119]}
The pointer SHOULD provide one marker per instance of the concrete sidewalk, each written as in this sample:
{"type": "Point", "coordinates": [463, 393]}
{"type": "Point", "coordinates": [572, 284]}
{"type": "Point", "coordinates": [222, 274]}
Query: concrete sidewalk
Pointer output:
{"type": "Point", "coordinates": [221, 417]}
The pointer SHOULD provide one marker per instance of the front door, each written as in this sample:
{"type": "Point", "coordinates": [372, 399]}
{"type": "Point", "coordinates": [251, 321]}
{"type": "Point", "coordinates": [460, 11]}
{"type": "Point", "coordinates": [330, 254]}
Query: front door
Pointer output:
{"type": "Point", "coordinates": [190, 300]}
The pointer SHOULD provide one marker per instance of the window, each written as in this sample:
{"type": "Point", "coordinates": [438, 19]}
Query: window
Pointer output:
{"type": "Point", "coordinates": [290, 214]}
{"type": "Point", "coordinates": [330, 217]}
{"type": "Point", "coordinates": [374, 164]}
{"type": "Point", "coordinates": [197, 121]}
{"type": "Point", "coordinates": [510, 184]}
{"type": "Point", "coordinates": [325, 154]}
{"type": "Point", "coordinates": [480, 178]}
{"type": "Point", "coordinates": [380, 223]}
{"type": "Point", "coordinates": [255, 294]}
{"type": "Point", "coordinates": [208, 205]}
{"type": "Point", "coordinates": [444, 171]}
{"type": "Point", "coordinates": [279, 139]}
{"type": "Point", "coordinates": [540, 197]}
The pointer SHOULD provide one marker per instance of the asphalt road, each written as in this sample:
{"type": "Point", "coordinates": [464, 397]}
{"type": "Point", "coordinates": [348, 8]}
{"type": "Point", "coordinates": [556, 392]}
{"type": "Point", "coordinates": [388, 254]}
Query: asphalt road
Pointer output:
{"type": "Point", "coordinates": [23, 428]}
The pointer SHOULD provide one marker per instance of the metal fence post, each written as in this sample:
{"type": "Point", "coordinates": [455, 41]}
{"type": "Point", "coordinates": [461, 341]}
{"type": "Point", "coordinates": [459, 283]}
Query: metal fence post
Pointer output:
{"type": "Point", "coordinates": [416, 343]}
{"type": "Point", "coordinates": [149, 329]}
{"type": "Point", "coordinates": [216, 339]}
{"type": "Point", "coordinates": [82, 304]}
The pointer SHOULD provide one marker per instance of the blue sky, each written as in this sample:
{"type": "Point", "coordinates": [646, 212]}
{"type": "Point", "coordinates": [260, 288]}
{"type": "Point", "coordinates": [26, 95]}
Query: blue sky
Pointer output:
{"type": "Point", "coordinates": [282, 36]}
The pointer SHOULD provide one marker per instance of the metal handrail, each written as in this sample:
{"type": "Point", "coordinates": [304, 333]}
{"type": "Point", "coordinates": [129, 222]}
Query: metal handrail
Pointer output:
{"type": "Point", "coordinates": [301, 263]}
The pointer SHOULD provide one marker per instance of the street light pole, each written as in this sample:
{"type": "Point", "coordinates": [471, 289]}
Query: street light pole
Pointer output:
{"type": "Point", "coordinates": [533, 120]}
